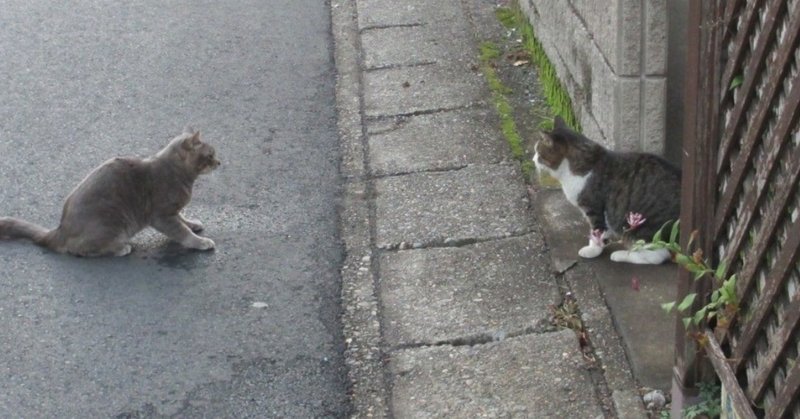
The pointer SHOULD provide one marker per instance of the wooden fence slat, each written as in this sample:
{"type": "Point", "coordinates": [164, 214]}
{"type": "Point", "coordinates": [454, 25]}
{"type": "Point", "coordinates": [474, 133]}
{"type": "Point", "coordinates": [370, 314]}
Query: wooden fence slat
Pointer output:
{"type": "Point", "coordinates": [756, 195]}
{"type": "Point", "coordinates": [787, 393]}
{"type": "Point", "coordinates": [751, 71]}
{"type": "Point", "coordinates": [728, 19]}
{"type": "Point", "coordinates": [698, 163]}
{"type": "Point", "coordinates": [757, 316]}
{"type": "Point", "coordinates": [740, 42]}
{"type": "Point", "coordinates": [757, 386]}
{"type": "Point", "coordinates": [783, 63]}
{"type": "Point", "coordinates": [740, 402]}
{"type": "Point", "coordinates": [723, 46]}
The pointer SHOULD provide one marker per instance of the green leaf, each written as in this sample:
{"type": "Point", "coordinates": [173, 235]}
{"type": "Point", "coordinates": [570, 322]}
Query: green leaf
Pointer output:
{"type": "Point", "coordinates": [736, 82]}
{"type": "Point", "coordinates": [699, 316]}
{"type": "Point", "coordinates": [668, 306]}
{"type": "Point", "coordinates": [720, 272]}
{"type": "Point", "coordinates": [687, 302]}
{"type": "Point", "coordinates": [715, 296]}
{"type": "Point", "coordinates": [686, 322]}
{"type": "Point", "coordinates": [657, 236]}
{"type": "Point", "coordinates": [729, 289]}
{"type": "Point", "coordinates": [730, 283]}
{"type": "Point", "coordinates": [699, 274]}
{"type": "Point", "coordinates": [725, 294]}
{"type": "Point", "coordinates": [683, 260]}
{"type": "Point", "coordinates": [673, 236]}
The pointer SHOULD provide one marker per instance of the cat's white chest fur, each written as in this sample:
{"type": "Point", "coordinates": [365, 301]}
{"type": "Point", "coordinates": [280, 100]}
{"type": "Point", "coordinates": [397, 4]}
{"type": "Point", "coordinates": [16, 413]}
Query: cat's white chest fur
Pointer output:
{"type": "Point", "coordinates": [571, 184]}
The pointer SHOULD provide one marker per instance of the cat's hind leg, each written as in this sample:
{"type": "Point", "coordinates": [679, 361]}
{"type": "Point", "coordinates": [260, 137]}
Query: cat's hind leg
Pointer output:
{"type": "Point", "coordinates": [642, 256]}
{"type": "Point", "coordinates": [174, 228]}
{"type": "Point", "coordinates": [123, 250]}
{"type": "Point", "coordinates": [96, 241]}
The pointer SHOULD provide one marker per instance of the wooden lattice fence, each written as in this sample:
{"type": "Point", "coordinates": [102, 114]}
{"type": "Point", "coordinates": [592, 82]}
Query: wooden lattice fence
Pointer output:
{"type": "Point", "coordinates": [741, 169]}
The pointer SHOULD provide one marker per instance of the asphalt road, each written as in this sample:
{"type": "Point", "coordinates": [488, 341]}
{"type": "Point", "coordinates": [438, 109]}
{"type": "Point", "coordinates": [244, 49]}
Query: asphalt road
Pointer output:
{"type": "Point", "coordinates": [249, 330]}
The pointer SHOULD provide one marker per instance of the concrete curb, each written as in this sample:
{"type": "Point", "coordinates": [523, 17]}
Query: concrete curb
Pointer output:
{"type": "Point", "coordinates": [363, 353]}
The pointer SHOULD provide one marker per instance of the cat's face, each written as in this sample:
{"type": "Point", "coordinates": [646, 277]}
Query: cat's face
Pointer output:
{"type": "Point", "coordinates": [550, 153]}
{"type": "Point", "coordinates": [196, 154]}
{"type": "Point", "coordinates": [564, 148]}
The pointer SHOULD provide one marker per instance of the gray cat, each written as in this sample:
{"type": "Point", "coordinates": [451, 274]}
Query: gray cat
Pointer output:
{"type": "Point", "coordinates": [122, 197]}
{"type": "Point", "coordinates": [631, 193]}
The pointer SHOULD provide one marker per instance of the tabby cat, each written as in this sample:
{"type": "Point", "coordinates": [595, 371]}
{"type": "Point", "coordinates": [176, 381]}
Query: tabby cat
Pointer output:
{"type": "Point", "coordinates": [122, 197]}
{"type": "Point", "coordinates": [630, 193]}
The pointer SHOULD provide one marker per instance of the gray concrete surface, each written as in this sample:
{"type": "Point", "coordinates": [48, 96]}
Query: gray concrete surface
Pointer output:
{"type": "Point", "coordinates": [438, 141]}
{"type": "Point", "coordinates": [410, 90]}
{"type": "Point", "coordinates": [536, 376]}
{"type": "Point", "coordinates": [165, 332]}
{"type": "Point", "coordinates": [416, 45]}
{"type": "Point", "coordinates": [646, 330]}
{"type": "Point", "coordinates": [478, 202]}
{"type": "Point", "coordinates": [474, 293]}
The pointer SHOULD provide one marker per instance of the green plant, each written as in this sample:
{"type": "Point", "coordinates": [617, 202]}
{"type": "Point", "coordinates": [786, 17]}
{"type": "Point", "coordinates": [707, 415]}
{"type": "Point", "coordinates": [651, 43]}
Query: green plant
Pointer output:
{"type": "Point", "coordinates": [709, 405]}
{"type": "Point", "coordinates": [723, 302]}
{"type": "Point", "coordinates": [489, 52]}
{"type": "Point", "coordinates": [554, 92]}
{"type": "Point", "coordinates": [506, 16]}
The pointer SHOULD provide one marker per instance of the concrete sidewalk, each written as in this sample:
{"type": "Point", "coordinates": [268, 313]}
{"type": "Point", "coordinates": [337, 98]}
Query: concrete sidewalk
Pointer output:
{"type": "Point", "coordinates": [448, 284]}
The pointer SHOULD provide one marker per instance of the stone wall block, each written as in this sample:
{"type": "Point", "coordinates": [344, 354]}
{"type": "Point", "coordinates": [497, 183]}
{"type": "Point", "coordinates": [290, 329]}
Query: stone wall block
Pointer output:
{"type": "Point", "coordinates": [600, 20]}
{"type": "Point", "coordinates": [629, 37]}
{"type": "Point", "coordinates": [655, 39]}
{"type": "Point", "coordinates": [628, 111]}
{"type": "Point", "coordinates": [602, 88]}
{"type": "Point", "coordinates": [611, 58]}
{"type": "Point", "coordinates": [654, 115]}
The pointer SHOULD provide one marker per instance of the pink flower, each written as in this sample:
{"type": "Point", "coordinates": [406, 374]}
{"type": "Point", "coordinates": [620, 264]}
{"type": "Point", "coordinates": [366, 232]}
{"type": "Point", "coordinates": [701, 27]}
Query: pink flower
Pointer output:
{"type": "Point", "coordinates": [635, 220]}
{"type": "Point", "coordinates": [596, 237]}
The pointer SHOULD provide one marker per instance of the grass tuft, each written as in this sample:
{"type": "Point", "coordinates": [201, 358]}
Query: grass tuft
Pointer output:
{"type": "Point", "coordinates": [554, 92]}
{"type": "Point", "coordinates": [555, 95]}
{"type": "Point", "coordinates": [489, 52]}
{"type": "Point", "coordinates": [506, 17]}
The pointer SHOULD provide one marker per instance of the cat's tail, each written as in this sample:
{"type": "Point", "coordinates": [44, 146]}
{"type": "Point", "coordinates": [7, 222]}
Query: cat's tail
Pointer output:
{"type": "Point", "coordinates": [14, 228]}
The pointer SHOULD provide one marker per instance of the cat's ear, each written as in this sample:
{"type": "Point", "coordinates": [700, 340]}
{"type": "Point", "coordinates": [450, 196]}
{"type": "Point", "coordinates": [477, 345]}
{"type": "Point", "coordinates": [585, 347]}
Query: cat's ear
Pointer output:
{"type": "Point", "coordinates": [559, 123]}
{"type": "Point", "coordinates": [191, 142]}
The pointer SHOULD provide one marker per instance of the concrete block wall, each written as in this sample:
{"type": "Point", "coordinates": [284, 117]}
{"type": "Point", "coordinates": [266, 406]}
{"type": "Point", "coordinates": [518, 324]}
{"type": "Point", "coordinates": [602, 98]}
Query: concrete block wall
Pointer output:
{"type": "Point", "coordinates": [611, 56]}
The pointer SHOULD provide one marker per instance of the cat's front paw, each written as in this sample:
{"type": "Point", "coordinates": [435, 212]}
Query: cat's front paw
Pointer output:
{"type": "Point", "coordinates": [199, 243]}
{"type": "Point", "coordinates": [205, 244]}
{"type": "Point", "coordinates": [590, 251]}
